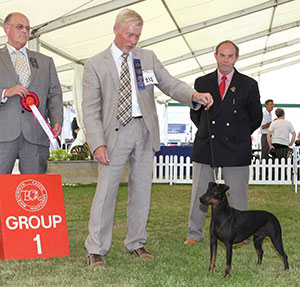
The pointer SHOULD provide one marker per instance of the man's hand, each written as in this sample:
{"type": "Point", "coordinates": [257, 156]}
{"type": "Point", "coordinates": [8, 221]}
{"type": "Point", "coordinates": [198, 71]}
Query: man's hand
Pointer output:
{"type": "Point", "coordinates": [16, 91]}
{"type": "Point", "coordinates": [57, 130]}
{"type": "Point", "coordinates": [204, 99]}
{"type": "Point", "coordinates": [101, 155]}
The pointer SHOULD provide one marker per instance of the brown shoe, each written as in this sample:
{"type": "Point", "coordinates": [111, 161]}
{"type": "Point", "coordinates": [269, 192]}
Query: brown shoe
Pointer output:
{"type": "Point", "coordinates": [95, 260]}
{"type": "Point", "coordinates": [141, 252]}
{"type": "Point", "coordinates": [191, 242]}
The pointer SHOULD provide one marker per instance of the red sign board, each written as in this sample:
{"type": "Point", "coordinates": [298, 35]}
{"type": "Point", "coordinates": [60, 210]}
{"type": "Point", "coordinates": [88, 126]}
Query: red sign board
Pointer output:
{"type": "Point", "coordinates": [32, 217]}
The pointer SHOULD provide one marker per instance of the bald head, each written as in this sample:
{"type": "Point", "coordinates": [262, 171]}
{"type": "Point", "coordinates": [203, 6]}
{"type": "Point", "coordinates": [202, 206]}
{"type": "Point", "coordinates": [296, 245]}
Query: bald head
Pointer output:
{"type": "Point", "coordinates": [16, 27]}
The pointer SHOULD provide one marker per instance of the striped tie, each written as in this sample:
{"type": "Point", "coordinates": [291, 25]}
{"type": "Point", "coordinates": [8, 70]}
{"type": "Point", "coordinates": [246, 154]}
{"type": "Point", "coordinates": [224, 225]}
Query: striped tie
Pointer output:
{"type": "Point", "coordinates": [22, 69]}
{"type": "Point", "coordinates": [124, 113]}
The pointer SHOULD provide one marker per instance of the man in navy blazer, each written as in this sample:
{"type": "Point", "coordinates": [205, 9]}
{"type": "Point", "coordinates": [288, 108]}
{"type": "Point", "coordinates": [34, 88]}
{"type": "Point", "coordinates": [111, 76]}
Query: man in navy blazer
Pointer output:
{"type": "Point", "coordinates": [224, 133]}
{"type": "Point", "coordinates": [21, 135]}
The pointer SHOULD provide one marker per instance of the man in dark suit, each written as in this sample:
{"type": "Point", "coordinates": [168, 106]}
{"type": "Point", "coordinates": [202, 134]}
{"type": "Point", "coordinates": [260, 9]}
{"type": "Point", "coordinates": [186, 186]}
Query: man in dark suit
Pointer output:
{"type": "Point", "coordinates": [224, 133]}
{"type": "Point", "coordinates": [21, 136]}
{"type": "Point", "coordinates": [114, 141]}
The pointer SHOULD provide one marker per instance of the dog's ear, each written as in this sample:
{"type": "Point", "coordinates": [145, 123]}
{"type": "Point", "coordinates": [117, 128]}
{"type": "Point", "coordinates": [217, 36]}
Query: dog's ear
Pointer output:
{"type": "Point", "coordinates": [211, 185]}
{"type": "Point", "coordinates": [223, 187]}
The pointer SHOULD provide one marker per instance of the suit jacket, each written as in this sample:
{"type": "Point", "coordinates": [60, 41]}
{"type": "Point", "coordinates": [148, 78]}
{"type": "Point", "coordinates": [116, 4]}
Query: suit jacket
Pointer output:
{"type": "Point", "coordinates": [14, 120]}
{"type": "Point", "coordinates": [101, 91]}
{"type": "Point", "coordinates": [228, 125]}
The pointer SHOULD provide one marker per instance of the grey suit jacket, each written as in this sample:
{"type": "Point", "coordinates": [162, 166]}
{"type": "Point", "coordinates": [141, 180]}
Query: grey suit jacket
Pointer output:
{"type": "Point", "coordinates": [45, 84]}
{"type": "Point", "coordinates": [101, 91]}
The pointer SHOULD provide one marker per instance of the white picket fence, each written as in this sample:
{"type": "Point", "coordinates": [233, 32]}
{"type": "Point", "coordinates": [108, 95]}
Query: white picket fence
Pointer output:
{"type": "Point", "coordinates": [173, 169]}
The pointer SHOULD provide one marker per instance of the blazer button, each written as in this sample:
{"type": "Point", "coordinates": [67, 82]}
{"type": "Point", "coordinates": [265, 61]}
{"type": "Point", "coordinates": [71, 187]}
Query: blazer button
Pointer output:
{"type": "Point", "coordinates": [213, 122]}
{"type": "Point", "coordinates": [212, 136]}
{"type": "Point", "coordinates": [235, 111]}
{"type": "Point", "coordinates": [23, 112]}
{"type": "Point", "coordinates": [116, 129]}
{"type": "Point", "coordinates": [227, 124]}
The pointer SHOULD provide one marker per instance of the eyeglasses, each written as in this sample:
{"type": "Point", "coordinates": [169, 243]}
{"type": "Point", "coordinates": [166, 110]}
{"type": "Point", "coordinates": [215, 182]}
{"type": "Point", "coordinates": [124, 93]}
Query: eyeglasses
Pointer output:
{"type": "Point", "coordinates": [20, 27]}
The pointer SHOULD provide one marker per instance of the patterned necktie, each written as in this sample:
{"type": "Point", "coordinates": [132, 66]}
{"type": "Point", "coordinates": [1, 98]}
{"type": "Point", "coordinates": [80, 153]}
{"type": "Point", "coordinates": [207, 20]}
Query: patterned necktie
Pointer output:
{"type": "Point", "coordinates": [124, 113]}
{"type": "Point", "coordinates": [22, 69]}
{"type": "Point", "coordinates": [222, 86]}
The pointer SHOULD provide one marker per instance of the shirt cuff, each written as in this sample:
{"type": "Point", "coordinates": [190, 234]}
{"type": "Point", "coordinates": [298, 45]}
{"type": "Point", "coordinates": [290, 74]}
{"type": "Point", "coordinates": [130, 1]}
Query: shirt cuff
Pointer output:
{"type": "Point", "coordinates": [195, 105]}
{"type": "Point", "coordinates": [3, 100]}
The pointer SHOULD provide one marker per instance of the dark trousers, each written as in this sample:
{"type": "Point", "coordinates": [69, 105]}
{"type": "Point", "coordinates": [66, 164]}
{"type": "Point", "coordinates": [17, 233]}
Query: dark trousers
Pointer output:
{"type": "Point", "coordinates": [264, 147]}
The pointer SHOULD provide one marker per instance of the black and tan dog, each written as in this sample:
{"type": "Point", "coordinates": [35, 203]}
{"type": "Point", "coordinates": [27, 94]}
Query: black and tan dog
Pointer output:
{"type": "Point", "coordinates": [233, 226]}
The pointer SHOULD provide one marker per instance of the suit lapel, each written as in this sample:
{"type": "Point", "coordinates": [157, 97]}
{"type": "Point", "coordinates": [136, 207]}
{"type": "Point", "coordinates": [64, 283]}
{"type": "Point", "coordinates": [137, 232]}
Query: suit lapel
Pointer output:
{"type": "Point", "coordinates": [234, 87]}
{"type": "Point", "coordinates": [5, 57]}
{"type": "Point", "coordinates": [111, 67]}
{"type": "Point", "coordinates": [33, 65]}
{"type": "Point", "coordinates": [214, 88]}
{"type": "Point", "coordinates": [136, 54]}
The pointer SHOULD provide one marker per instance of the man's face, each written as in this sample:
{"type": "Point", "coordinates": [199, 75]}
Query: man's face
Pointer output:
{"type": "Point", "coordinates": [269, 106]}
{"type": "Point", "coordinates": [127, 36]}
{"type": "Point", "coordinates": [226, 58]}
{"type": "Point", "coordinates": [17, 38]}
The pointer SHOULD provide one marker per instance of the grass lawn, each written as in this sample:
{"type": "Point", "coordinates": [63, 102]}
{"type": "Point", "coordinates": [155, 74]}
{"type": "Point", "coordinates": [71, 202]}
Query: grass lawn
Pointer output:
{"type": "Point", "coordinates": [174, 264]}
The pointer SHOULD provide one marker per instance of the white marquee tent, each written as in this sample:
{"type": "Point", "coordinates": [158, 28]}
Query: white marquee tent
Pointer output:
{"type": "Point", "coordinates": [183, 34]}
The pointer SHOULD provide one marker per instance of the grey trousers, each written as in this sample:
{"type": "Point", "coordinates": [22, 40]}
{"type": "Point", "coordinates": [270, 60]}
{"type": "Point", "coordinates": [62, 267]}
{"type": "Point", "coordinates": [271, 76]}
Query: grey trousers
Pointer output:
{"type": "Point", "coordinates": [264, 147]}
{"type": "Point", "coordinates": [33, 159]}
{"type": "Point", "coordinates": [134, 145]}
{"type": "Point", "coordinates": [236, 178]}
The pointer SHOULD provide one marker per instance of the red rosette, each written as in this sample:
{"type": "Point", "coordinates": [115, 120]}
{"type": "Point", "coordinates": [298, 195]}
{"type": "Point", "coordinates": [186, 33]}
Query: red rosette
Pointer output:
{"type": "Point", "coordinates": [30, 99]}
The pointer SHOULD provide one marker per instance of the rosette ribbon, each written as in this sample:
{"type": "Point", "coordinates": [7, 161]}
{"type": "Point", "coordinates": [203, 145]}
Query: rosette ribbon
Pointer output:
{"type": "Point", "coordinates": [30, 103]}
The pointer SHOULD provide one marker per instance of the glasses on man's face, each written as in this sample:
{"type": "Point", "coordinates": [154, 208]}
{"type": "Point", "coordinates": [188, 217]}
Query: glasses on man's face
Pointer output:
{"type": "Point", "coordinates": [20, 27]}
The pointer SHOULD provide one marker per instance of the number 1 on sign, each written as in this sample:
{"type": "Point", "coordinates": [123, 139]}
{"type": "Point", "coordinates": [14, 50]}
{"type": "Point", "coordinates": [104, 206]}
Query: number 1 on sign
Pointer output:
{"type": "Point", "coordinates": [37, 239]}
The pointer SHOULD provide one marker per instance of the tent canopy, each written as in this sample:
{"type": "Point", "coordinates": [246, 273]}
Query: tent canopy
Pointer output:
{"type": "Point", "coordinates": [183, 34]}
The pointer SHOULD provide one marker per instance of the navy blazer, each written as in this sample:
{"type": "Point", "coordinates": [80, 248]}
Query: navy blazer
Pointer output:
{"type": "Point", "coordinates": [228, 125]}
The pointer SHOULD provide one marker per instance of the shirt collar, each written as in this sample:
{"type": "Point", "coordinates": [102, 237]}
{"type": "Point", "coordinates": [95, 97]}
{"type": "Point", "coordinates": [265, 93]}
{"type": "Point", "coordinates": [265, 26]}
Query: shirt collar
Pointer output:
{"type": "Point", "coordinates": [12, 49]}
{"type": "Point", "coordinates": [116, 52]}
{"type": "Point", "coordinates": [229, 76]}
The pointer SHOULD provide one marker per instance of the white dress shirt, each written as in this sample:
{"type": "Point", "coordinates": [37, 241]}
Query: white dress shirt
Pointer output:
{"type": "Point", "coordinates": [267, 118]}
{"type": "Point", "coordinates": [117, 55]}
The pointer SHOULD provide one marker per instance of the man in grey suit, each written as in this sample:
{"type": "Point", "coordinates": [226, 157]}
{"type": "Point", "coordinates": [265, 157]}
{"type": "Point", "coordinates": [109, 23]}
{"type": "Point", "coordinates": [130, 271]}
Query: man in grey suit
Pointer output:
{"type": "Point", "coordinates": [21, 136]}
{"type": "Point", "coordinates": [115, 139]}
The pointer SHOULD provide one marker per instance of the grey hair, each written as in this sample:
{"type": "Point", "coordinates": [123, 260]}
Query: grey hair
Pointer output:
{"type": "Point", "coordinates": [127, 15]}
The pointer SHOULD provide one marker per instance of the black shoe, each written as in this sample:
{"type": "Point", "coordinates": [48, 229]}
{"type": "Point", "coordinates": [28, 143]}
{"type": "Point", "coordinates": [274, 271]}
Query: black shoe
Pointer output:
{"type": "Point", "coordinates": [95, 260]}
{"type": "Point", "coordinates": [141, 252]}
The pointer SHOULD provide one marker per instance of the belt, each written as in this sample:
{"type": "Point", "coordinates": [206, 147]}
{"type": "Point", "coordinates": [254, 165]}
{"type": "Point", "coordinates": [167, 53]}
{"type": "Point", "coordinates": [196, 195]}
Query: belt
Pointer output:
{"type": "Point", "coordinates": [138, 117]}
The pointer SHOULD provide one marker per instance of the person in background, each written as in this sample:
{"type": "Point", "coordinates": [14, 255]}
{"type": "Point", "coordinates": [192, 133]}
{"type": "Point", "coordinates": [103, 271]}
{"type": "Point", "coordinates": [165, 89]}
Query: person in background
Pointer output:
{"type": "Point", "coordinates": [75, 128]}
{"type": "Point", "coordinates": [224, 133]}
{"type": "Point", "coordinates": [121, 123]}
{"type": "Point", "coordinates": [21, 71]}
{"type": "Point", "coordinates": [266, 122]}
{"type": "Point", "coordinates": [297, 141]}
{"type": "Point", "coordinates": [279, 135]}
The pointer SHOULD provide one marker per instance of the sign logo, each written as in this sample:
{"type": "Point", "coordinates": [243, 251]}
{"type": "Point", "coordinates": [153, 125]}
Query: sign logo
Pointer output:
{"type": "Point", "coordinates": [31, 195]}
